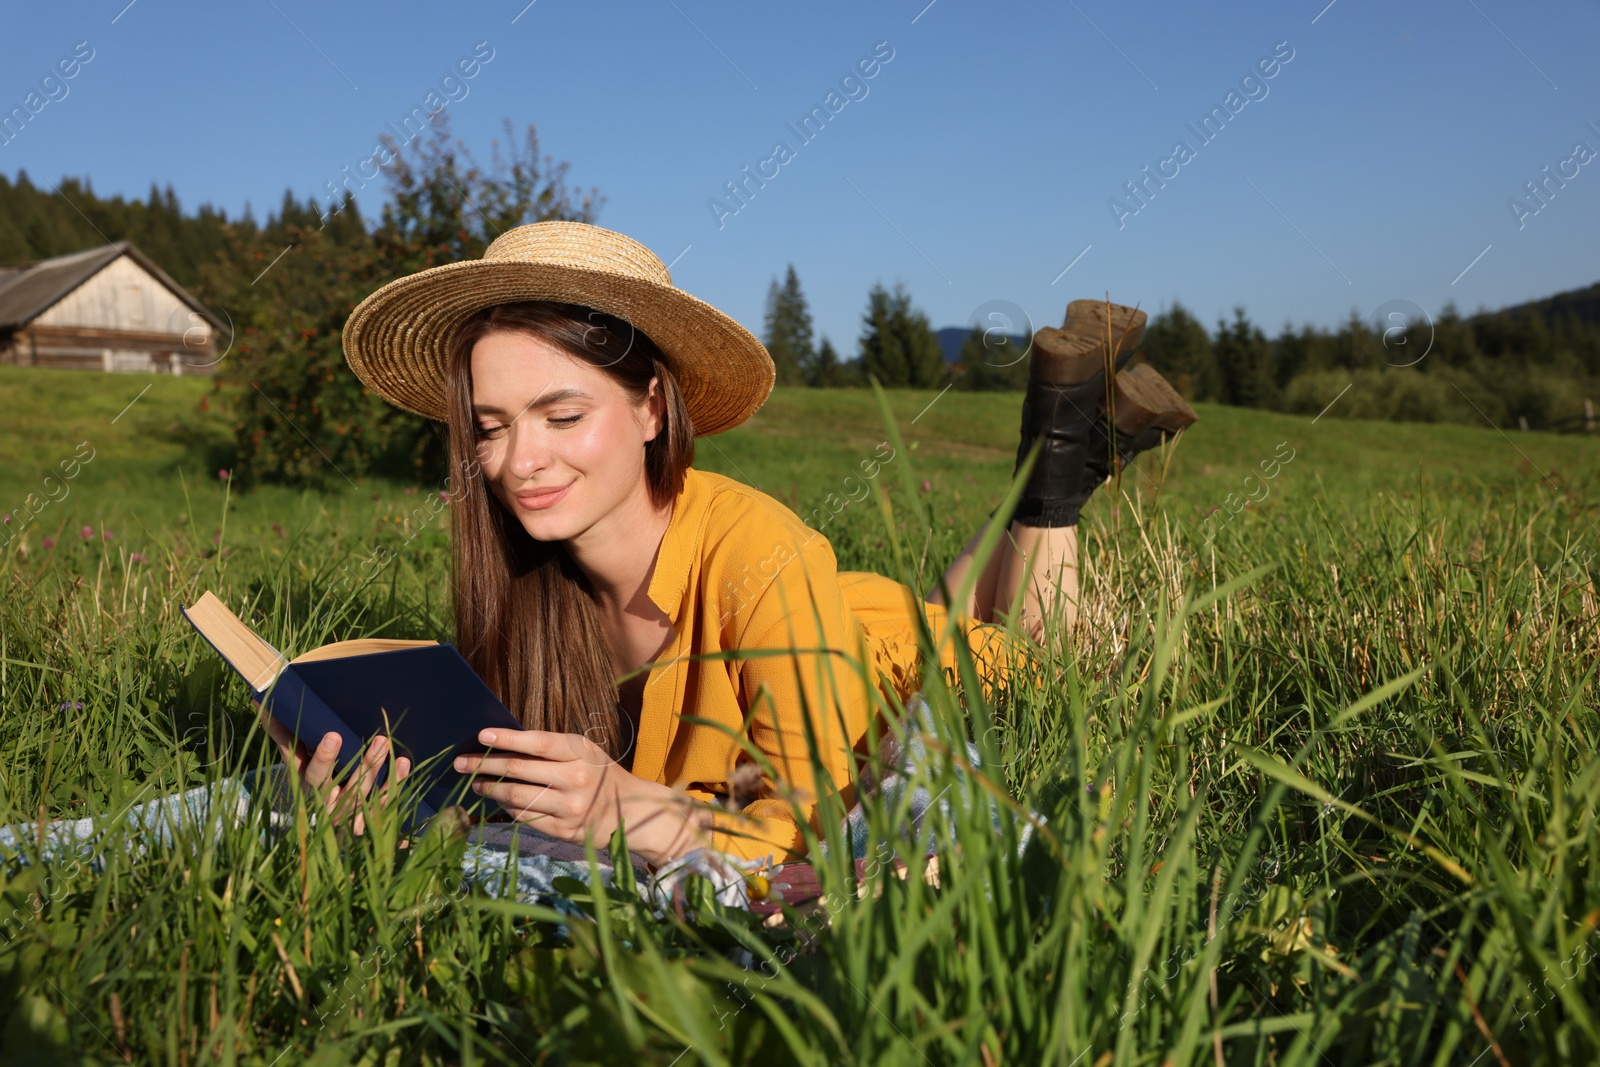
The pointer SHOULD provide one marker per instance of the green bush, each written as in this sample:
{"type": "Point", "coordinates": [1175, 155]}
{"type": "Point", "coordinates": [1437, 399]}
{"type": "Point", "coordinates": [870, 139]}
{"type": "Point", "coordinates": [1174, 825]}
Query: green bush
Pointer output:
{"type": "Point", "coordinates": [302, 416]}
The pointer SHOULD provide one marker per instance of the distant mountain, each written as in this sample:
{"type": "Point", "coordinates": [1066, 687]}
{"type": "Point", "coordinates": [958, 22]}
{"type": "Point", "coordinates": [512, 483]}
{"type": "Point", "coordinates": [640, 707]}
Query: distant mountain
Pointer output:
{"type": "Point", "coordinates": [951, 338]}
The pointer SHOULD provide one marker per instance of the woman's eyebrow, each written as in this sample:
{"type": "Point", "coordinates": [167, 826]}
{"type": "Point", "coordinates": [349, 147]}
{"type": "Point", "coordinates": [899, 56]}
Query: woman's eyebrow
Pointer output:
{"type": "Point", "coordinates": [555, 396]}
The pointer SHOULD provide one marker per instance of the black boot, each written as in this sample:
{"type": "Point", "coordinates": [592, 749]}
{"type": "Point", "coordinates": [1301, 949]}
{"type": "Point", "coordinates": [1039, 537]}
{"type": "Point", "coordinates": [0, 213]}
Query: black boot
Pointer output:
{"type": "Point", "coordinates": [1063, 404]}
{"type": "Point", "coordinates": [1062, 414]}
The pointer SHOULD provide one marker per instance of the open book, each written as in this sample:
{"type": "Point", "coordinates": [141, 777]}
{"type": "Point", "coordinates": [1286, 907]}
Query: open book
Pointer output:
{"type": "Point", "coordinates": [421, 694]}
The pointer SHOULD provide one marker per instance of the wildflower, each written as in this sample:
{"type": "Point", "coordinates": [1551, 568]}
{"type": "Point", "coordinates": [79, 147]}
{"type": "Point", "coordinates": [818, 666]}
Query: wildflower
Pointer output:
{"type": "Point", "coordinates": [761, 888]}
{"type": "Point", "coordinates": [72, 705]}
{"type": "Point", "coordinates": [86, 533]}
{"type": "Point", "coordinates": [136, 557]}
{"type": "Point", "coordinates": [6, 520]}
{"type": "Point", "coordinates": [105, 535]}
{"type": "Point", "coordinates": [216, 539]}
{"type": "Point", "coordinates": [223, 474]}
{"type": "Point", "coordinates": [277, 529]}
{"type": "Point", "coordinates": [49, 543]}
{"type": "Point", "coordinates": [927, 486]}
{"type": "Point", "coordinates": [444, 495]}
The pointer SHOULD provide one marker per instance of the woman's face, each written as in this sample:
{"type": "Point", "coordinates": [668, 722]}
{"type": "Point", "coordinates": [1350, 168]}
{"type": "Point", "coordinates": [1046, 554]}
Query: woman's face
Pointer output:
{"type": "Point", "coordinates": [560, 442]}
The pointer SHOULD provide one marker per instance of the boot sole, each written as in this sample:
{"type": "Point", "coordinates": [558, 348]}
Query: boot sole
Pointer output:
{"type": "Point", "coordinates": [1062, 358]}
{"type": "Point", "coordinates": [1145, 399]}
{"type": "Point", "coordinates": [1117, 324]}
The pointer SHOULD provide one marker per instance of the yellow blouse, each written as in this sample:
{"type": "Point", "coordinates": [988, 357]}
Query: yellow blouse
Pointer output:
{"type": "Point", "coordinates": [739, 570]}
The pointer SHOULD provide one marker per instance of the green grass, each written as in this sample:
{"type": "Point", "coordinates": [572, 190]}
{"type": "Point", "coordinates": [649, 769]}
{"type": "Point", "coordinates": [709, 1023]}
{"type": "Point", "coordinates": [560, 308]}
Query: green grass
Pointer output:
{"type": "Point", "coordinates": [1317, 783]}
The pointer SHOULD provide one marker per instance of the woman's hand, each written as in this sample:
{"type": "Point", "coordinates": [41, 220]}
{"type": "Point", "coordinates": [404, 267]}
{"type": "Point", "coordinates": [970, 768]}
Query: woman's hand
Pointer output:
{"type": "Point", "coordinates": [566, 786]}
{"type": "Point", "coordinates": [315, 767]}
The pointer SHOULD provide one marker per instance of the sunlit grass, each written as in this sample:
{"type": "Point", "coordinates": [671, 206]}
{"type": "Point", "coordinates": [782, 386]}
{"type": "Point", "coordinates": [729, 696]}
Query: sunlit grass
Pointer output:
{"type": "Point", "coordinates": [1321, 788]}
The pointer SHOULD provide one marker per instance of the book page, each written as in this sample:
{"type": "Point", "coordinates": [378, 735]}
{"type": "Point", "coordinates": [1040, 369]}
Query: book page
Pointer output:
{"type": "Point", "coordinates": [255, 660]}
{"type": "Point", "coordinates": [361, 646]}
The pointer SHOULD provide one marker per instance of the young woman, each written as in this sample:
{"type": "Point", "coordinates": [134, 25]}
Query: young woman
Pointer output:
{"type": "Point", "coordinates": [601, 581]}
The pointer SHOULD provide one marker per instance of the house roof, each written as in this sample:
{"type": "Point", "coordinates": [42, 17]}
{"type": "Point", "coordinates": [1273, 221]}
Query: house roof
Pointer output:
{"type": "Point", "coordinates": [29, 290]}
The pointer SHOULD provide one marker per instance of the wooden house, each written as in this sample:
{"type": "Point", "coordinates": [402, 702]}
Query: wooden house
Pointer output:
{"type": "Point", "coordinates": [107, 309]}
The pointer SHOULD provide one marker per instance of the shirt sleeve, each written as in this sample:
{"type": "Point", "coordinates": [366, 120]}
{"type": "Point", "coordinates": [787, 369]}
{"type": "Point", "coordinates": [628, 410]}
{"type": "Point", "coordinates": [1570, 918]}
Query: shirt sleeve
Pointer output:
{"type": "Point", "coordinates": [803, 691]}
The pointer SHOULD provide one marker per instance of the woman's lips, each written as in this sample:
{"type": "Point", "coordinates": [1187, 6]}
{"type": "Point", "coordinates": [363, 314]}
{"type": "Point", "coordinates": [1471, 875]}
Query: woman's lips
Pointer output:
{"type": "Point", "coordinates": [539, 499]}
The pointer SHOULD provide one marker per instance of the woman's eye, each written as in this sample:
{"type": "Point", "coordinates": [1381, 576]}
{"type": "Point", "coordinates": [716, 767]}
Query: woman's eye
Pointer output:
{"type": "Point", "coordinates": [486, 432]}
{"type": "Point", "coordinates": [565, 420]}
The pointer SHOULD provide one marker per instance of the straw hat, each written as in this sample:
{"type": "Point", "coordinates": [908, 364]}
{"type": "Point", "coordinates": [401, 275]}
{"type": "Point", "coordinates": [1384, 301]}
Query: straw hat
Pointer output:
{"type": "Point", "coordinates": [397, 339]}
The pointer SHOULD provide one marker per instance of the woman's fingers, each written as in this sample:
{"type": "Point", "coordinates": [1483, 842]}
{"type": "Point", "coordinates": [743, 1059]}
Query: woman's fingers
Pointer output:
{"type": "Point", "coordinates": [319, 769]}
{"type": "Point", "coordinates": [402, 767]}
{"type": "Point", "coordinates": [538, 774]}
{"type": "Point", "coordinates": [391, 786]}
{"type": "Point", "coordinates": [543, 744]}
{"type": "Point", "coordinates": [545, 772]}
{"type": "Point", "coordinates": [361, 779]}
{"type": "Point", "coordinates": [521, 798]}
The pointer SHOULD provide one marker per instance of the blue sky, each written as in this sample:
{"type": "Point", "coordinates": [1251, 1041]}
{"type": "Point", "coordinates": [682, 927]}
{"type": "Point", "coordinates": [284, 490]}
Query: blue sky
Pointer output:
{"type": "Point", "coordinates": [1375, 164]}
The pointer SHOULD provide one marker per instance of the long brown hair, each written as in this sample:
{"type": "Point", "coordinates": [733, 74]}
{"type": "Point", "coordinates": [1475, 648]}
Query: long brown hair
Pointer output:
{"type": "Point", "coordinates": [525, 613]}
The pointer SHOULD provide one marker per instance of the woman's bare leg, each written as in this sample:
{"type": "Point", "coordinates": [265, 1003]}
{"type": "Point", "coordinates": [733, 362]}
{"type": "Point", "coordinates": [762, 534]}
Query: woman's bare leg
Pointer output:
{"type": "Point", "coordinates": [979, 604]}
{"type": "Point", "coordinates": [1038, 577]}
{"type": "Point", "coordinates": [1034, 569]}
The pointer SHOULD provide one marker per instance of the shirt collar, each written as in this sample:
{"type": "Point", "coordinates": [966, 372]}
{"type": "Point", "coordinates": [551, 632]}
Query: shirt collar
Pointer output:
{"type": "Point", "coordinates": [677, 551]}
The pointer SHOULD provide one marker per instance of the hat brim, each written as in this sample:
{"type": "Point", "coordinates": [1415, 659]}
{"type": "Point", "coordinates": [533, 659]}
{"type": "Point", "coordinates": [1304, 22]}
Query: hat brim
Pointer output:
{"type": "Point", "coordinates": [397, 340]}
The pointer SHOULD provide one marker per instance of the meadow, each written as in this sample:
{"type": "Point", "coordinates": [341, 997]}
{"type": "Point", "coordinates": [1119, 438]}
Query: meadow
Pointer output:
{"type": "Point", "coordinates": [1313, 781]}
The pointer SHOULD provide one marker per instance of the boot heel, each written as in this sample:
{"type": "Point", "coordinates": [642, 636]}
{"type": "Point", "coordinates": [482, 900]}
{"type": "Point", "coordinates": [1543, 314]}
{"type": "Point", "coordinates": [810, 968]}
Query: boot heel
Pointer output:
{"type": "Point", "coordinates": [1117, 324]}
{"type": "Point", "coordinates": [1060, 357]}
{"type": "Point", "coordinates": [1146, 400]}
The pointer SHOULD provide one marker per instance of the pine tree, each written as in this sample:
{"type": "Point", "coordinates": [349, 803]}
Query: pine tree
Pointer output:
{"type": "Point", "coordinates": [880, 355]}
{"type": "Point", "coordinates": [788, 330]}
{"type": "Point", "coordinates": [1245, 363]}
{"type": "Point", "coordinates": [898, 346]}
{"type": "Point", "coordinates": [1177, 345]}
{"type": "Point", "coordinates": [991, 361]}
{"type": "Point", "coordinates": [826, 370]}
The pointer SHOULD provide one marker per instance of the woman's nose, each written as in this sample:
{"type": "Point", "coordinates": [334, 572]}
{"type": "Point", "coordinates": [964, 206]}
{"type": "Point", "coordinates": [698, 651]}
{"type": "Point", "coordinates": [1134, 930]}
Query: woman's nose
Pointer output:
{"type": "Point", "coordinates": [528, 453]}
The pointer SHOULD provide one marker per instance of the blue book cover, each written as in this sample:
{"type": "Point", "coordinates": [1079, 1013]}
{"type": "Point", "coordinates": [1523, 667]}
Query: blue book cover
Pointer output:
{"type": "Point", "coordinates": [422, 695]}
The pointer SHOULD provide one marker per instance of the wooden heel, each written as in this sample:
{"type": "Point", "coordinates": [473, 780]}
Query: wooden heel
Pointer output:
{"type": "Point", "coordinates": [1088, 318]}
{"type": "Point", "coordinates": [1063, 358]}
{"type": "Point", "coordinates": [1146, 399]}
